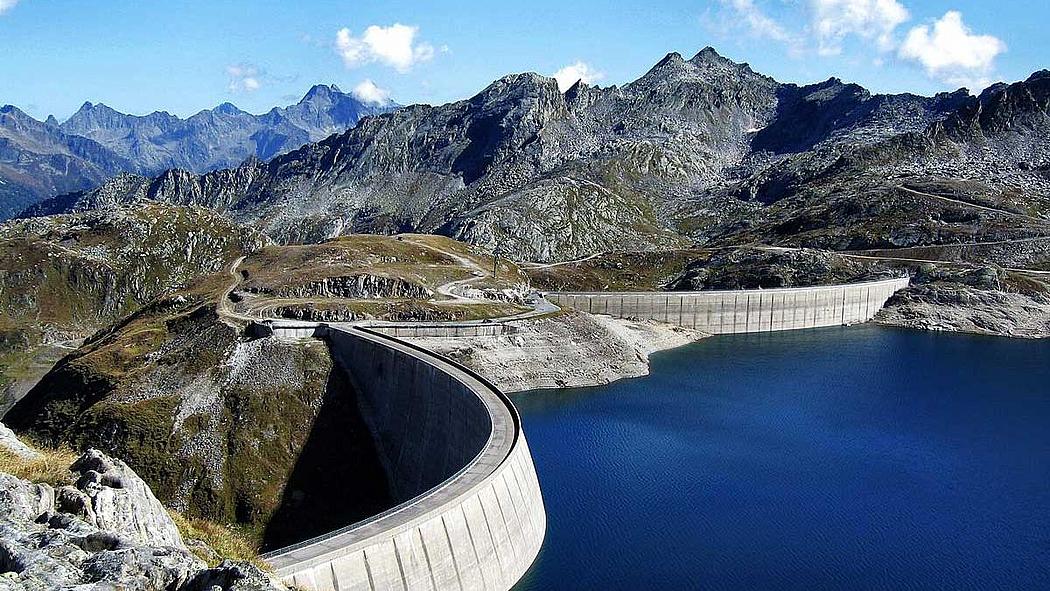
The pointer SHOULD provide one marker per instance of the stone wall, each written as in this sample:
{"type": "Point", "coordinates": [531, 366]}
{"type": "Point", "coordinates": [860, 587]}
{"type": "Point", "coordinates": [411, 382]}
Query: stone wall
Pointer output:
{"type": "Point", "coordinates": [727, 312]}
{"type": "Point", "coordinates": [470, 514]}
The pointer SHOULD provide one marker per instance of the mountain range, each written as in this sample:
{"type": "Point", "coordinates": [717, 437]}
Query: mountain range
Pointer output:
{"type": "Point", "coordinates": [699, 151]}
{"type": "Point", "coordinates": [42, 159]}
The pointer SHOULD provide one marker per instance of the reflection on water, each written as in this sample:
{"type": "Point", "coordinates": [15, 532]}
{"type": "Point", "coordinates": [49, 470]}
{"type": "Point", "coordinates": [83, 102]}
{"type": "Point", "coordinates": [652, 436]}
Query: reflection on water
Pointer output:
{"type": "Point", "coordinates": [859, 458]}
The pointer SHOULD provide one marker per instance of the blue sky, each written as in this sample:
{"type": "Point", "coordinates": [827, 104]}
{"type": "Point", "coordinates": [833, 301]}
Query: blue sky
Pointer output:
{"type": "Point", "coordinates": [139, 56]}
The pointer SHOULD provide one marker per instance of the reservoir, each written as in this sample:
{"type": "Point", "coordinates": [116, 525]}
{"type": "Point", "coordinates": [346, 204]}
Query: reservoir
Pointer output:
{"type": "Point", "coordinates": [842, 458]}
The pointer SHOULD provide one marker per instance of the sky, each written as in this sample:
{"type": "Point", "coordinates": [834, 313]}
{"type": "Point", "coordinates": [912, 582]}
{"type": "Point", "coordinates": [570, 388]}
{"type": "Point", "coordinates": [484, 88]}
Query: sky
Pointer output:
{"type": "Point", "coordinates": [183, 56]}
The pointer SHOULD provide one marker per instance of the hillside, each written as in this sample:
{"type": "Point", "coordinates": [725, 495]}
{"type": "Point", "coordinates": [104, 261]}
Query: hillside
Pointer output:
{"type": "Point", "coordinates": [234, 429]}
{"type": "Point", "coordinates": [63, 278]}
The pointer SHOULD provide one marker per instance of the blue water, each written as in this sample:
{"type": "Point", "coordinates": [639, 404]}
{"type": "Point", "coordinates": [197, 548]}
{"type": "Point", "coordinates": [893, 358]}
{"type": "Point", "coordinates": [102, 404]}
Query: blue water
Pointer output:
{"type": "Point", "coordinates": [853, 458]}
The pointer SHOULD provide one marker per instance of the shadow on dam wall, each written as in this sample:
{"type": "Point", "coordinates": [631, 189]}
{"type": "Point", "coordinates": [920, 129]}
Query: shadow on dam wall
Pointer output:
{"type": "Point", "coordinates": [338, 478]}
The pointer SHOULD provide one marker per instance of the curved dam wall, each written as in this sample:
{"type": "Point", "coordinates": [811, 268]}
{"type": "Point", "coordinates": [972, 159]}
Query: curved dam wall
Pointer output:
{"type": "Point", "coordinates": [728, 312]}
{"type": "Point", "coordinates": [470, 513]}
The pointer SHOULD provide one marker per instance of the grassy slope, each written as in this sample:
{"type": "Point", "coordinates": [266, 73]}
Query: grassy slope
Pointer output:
{"type": "Point", "coordinates": [64, 277]}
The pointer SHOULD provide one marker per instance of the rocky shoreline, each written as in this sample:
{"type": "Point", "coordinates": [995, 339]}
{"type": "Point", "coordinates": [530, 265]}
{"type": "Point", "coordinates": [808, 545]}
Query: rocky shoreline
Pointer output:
{"type": "Point", "coordinates": [568, 350]}
{"type": "Point", "coordinates": [958, 308]}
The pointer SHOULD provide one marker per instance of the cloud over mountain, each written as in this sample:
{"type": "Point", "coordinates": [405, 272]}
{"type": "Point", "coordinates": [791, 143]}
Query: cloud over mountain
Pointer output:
{"type": "Point", "coordinates": [394, 46]}
{"type": "Point", "coordinates": [579, 70]}
{"type": "Point", "coordinates": [368, 92]}
{"type": "Point", "coordinates": [951, 52]}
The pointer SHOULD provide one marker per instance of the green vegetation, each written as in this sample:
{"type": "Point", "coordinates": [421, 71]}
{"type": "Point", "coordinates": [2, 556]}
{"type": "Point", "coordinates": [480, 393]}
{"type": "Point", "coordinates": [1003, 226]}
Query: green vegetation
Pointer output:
{"type": "Point", "coordinates": [226, 541]}
{"type": "Point", "coordinates": [64, 277]}
{"type": "Point", "coordinates": [417, 259]}
{"type": "Point", "coordinates": [617, 271]}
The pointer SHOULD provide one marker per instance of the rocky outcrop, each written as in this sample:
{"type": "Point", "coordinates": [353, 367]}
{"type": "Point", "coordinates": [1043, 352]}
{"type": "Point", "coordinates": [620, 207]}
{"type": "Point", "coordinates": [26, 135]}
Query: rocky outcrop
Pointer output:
{"type": "Point", "coordinates": [572, 349]}
{"type": "Point", "coordinates": [771, 269]}
{"type": "Point", "coordinates": [12, 444]}
{"type": "Point", "coordinates": [981, 301]}
{"type": "Point", "coordinates": [120, 502]}
{"type": "Point", "coordinates": [358, 286]}
{"type": "Point", "coordinates": [107, 532]}
{"type": "Point", "coordinates": [958, 308]}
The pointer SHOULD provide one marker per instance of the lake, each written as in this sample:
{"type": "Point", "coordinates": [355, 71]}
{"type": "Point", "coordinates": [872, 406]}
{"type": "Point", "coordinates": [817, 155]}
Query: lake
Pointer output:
{"type": "Point", "coordinates": [844, 458]}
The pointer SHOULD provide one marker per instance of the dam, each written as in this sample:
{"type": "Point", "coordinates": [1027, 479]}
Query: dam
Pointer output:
{"type": "Point", "coordinates": [743, 311]}
{"type": "Point", "coordinates": [469, 512]}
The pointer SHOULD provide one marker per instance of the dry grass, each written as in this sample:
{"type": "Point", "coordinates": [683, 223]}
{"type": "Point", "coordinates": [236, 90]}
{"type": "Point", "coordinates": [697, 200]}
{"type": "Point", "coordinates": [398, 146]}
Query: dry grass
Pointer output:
{"type": "Point", "coordinates": [51, 467]}
{"type": "Point", "coordinates": [228, 541]}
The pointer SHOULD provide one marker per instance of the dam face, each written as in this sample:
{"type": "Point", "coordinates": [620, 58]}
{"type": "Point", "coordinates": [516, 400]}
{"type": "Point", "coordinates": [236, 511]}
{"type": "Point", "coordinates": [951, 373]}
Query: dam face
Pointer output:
{"type": "Point", "coordinates": [729, 312]}
{"type": "Point", "coordinates": [469, 515]}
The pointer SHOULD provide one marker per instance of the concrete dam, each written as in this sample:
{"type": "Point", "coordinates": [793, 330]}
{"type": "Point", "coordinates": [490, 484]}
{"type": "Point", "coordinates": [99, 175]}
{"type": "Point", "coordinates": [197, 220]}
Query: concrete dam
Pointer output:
{"type": "Point", "coordinates": [729, 312]}
{"type": "Point", "coordinates": [469, 512]}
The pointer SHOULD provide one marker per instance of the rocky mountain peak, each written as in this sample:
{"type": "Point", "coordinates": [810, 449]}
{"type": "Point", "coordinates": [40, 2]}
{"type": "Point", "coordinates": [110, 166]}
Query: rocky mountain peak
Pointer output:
{"type": "Point", "coordinates": [708, 55]}
{"type": "Point", "coordinates": [228, 109]}
{"type": "Point", "coordinates": [11, 110]}
{"type": "Point", "coordinates": [91, 116]}
{"type": "Point", "coordinates": [320, 91]}
{"type": "Point", "coordinates": [672, 59]}
{"type": "Point", "coordinates": [14, 118]}
{"type": "Point", "coordinates": [51, 121]}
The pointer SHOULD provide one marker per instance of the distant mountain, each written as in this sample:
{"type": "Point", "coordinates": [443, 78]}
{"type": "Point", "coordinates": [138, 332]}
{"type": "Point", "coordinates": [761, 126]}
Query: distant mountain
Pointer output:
{"type": "Point", "coordinates": [702, 151]}
{"type": "Point", "coordinates": [39, 160]}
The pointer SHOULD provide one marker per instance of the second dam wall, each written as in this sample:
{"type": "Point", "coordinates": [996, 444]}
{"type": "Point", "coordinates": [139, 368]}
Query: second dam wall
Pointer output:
{"type": "Point", "coordinates": [728, 312]}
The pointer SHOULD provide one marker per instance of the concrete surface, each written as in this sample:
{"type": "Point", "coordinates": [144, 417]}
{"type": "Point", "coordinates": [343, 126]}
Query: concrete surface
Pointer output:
{"type": "Point", "coordinates": [727, 312]}
{"type": "Point", "coordinates": [471, 513]}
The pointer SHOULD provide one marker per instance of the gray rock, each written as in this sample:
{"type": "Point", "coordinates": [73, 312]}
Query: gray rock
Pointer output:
{"type": "Point", "coordinates": [23, 500]}
{"type": "Point", "coordinates": [49, 541]}
{"type": "Point", "coordinates": [11, 442]}
{"type": "Point", "coordinates": [233, 576]}
{"type": "Point", "coordinates": [146, 568]}
{"type": "Point", "coordinates": [122, 503]}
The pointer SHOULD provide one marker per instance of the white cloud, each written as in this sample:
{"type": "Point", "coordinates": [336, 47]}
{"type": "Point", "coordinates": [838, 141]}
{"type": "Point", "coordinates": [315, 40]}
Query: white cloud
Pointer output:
{"type": "Point", "coordinates": [6, 5]}
{"type": "Point", "coordinates": [951, 52]}
{"type": "Point", "coordinates": [243, 77]}
{"type": "Point", "coordinates": [394, 46]}
{"type": "Point", "coordinates": [873, 20]}
{"type": "Point", "coordinates": [368, 92]}
{"type": "Point", "coordinates": [571, 73]}
{"type": "Point", "coordinates": [758, 22]}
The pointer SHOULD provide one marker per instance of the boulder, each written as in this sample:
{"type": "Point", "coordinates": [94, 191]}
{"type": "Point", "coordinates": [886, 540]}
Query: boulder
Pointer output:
{"type": "Point", "coordinates": [10, 442]}
{"type": "Point", "coordinates": [107, 533]}
{"type": "Point", "coordinates": [21, 500]}
{"type": "Point", "coordinates": [122, 503]}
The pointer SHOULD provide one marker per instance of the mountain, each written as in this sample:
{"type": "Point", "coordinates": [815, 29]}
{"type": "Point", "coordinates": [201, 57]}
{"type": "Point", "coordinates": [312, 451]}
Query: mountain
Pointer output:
{"type": "Point", "coordinates": [43, 159]}
{"type": "Point", "coordinates": [703, 151]}
{"type": "Point", "coordinates": [37, 159]}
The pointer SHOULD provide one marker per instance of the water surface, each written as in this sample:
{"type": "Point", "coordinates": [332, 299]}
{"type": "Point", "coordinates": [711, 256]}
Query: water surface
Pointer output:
{"type": "Point", "coordinates": [844, 458]}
